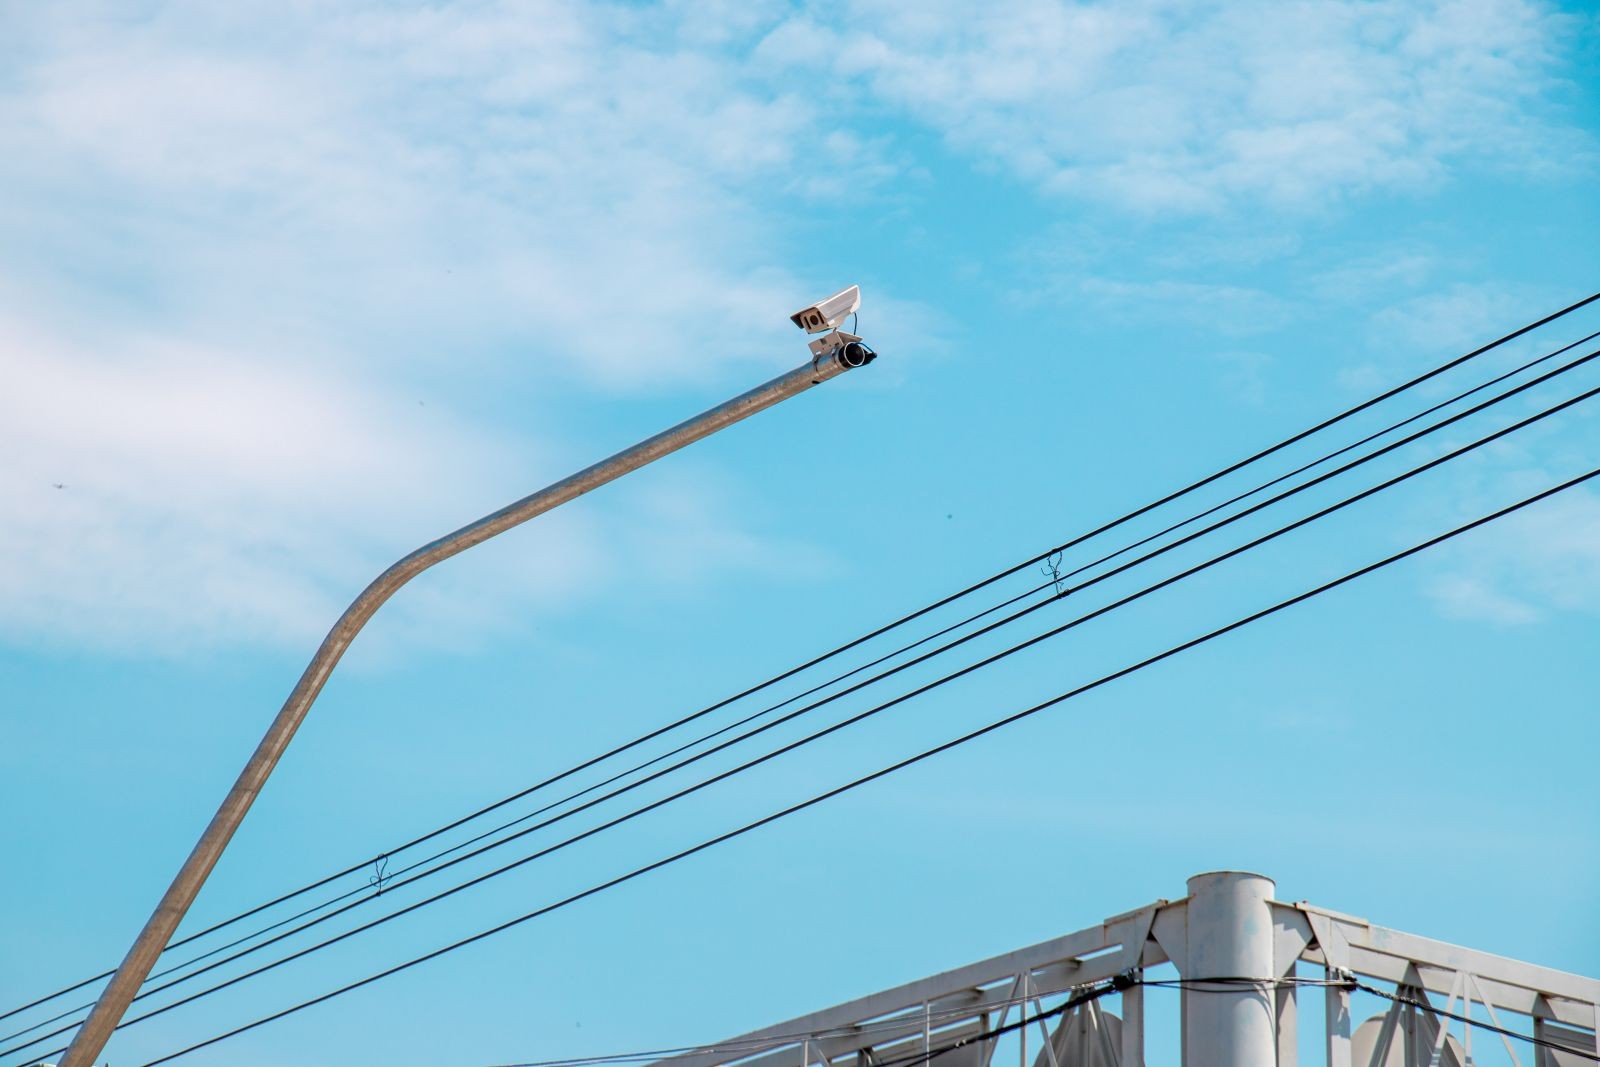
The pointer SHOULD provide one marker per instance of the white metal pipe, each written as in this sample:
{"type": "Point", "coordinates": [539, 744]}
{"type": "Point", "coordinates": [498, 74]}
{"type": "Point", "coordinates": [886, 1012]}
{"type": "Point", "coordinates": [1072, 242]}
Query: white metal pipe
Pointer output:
{"type": "Point", "coordinates": [91, 1038]}
{"type": "Point", "coordinates": [1229, 1024]}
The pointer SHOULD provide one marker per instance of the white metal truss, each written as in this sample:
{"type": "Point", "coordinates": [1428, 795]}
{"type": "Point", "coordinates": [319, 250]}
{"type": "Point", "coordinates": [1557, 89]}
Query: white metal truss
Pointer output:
{"type": "Point", "coordinates": [1216, 925]}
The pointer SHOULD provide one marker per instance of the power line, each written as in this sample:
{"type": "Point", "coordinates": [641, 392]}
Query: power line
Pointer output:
{"type": "Point", "coordinates": [645, 738]}
{"type": "Point", "coordinates": [1024, 1021]}
{"type": "Point", "coordinates": [900, 765]}
{"type": "Point", "coordinates": [1143, 559]}
{"type": "Point", "coordinates": [1529, 1038]}
{"type": "Point", "coordinates": [1227, 985]}
{"type": "Point", "coordinates": [1429, 465]}
{"type": "Point", "coordinates": [1079, 997]}
{"type": "Point", "coordinates": [896, 1025]}
{"type": "Point", "coordinates": [1221, 985]}
{"type": "Point", "coordinates": [892, 1025]}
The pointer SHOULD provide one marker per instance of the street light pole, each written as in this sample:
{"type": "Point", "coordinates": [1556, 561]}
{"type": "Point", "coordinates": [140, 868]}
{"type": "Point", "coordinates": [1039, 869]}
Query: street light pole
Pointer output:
{"type": "Point", "coordinates": [108, 1010]}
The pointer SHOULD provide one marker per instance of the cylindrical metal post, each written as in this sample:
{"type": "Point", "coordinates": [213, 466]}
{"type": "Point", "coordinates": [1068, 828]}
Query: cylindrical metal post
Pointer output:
{"type": "Point", "coordinates": [1230, 1023]}
{"type": "Point", "coordinates": [152, 940]}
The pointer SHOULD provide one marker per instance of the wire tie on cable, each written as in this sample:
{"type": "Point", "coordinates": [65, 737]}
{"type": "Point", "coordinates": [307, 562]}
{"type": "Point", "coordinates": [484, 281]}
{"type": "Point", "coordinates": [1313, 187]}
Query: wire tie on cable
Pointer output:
{"type": "Point", "coordinates": [380, 874]}
{"type": "Point", "coordinates": [1052, 568]}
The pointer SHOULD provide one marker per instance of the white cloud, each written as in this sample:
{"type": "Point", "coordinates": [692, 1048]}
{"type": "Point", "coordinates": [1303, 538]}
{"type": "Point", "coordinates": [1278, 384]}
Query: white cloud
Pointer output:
{"type": "Point", "coordinates": [1375, 276]}
{"type": "Point", "coordinates": [1232, 310]}
{"type": "Point", "coordinates": [287, 223]}
{"type": "Point", "coordinates": [1539, 561]}
{"type": "Point", "coordinates": [1461, 596]}
{"type": "Point", "coordinates": [176, 496]}
{"type": "Point", "coordinates": [573, 180]}
{"type": "Point", "coordinates": [280, 219]}
{"type": "Point", "coordinates": [1451, 320]}
{"type": "Point", "coordinates": [1164, 107]}
{"type": "Point", "coordinates": [1244, 374]}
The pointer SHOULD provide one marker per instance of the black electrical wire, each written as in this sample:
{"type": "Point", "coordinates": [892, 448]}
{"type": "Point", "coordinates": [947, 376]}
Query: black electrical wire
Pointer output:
{"type": "Point", "coordinates": [1113, 524]}
{"type": "Point", "coordinates": [1078, 995]}
{"type": "Point", "coordinates": [902, 764]}
{"type": "Point", "coordinates": [1082, 995]}
{"type": "Point", "coordinates": [1529, 1038]}
{"type": "Point", "coordinates": [1024, 1021]}
{"type": "Point", "coordinates": [1429, 465]}
{"type": "Point", "coordinates": [887, 1028]}
{"type": "Point", "coordinates": [1230, 985]}
{"type": "Point", "coordinates": [766, 711]}
{"type": "Point", "coordinates": [360, 890]}
{"type": "Point", "coordinates": [1143, 559]}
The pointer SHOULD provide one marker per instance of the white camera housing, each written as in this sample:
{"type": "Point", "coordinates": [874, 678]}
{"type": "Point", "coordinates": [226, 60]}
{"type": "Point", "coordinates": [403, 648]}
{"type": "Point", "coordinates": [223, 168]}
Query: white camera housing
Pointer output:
{"type": "Point", "coordinates": [828, 314]}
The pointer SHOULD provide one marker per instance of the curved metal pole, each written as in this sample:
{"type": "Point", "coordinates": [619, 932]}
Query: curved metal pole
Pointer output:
{"type": "Point", "coordinates": [108, 1010]}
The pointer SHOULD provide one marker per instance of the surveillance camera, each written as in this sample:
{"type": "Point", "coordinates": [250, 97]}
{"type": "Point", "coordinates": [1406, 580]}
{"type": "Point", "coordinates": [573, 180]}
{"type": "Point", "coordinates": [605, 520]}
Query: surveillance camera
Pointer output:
{"type": "Point", "coordinates": [825, 317]}
{"type": "Point", "coordinates": [828, 314]}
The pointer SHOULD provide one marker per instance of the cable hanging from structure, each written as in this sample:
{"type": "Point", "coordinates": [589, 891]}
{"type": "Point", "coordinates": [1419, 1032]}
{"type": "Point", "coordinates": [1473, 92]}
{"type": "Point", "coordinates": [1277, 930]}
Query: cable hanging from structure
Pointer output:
{"type": "Point", "coordinates": [918, 613]}
{"type": "Point", "coordinates": [1076, 998]}
{"type": "Point", "coordinates": [1060, 593]}
{"type": "Point", "coordinates": [1056, 577]}
{"type": "Point", "coordinates": [1429, 465]}
{"type": "Point", "coordinates": [856, 642]}
{"type": "Point", "coordinates": [901, 764]}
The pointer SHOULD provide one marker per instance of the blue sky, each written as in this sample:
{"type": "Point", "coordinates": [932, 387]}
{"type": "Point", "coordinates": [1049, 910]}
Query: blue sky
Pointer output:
{"type": "Point", "coordinates": [287, 290]}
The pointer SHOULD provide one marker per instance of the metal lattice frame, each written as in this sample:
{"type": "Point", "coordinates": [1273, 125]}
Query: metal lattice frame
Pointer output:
{"type": "Point", "coordinates": [930, 1013]}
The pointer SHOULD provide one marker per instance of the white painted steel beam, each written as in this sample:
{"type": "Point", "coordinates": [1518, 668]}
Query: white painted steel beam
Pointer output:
{"type": "Point", "coordinates": [1227, 928]}
{"type": "Point", "coordinates": [1230, 935]}
{"type": "Point", "coordinates": [1053, 966]}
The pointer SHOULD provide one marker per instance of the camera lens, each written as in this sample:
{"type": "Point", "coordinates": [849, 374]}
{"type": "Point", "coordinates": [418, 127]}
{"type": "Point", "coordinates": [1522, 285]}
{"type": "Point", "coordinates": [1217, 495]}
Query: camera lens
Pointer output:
{"type": "Point", "coordinates": [856, 354]}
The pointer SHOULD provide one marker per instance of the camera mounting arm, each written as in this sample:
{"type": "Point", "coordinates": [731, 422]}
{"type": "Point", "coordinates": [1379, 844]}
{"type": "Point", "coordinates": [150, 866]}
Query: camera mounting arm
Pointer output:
{"type": "Point", "coordinates": [91, 1038]}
